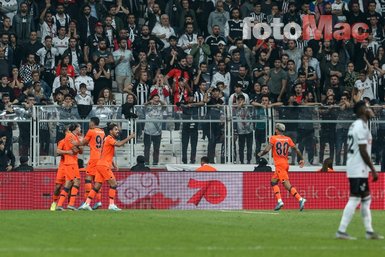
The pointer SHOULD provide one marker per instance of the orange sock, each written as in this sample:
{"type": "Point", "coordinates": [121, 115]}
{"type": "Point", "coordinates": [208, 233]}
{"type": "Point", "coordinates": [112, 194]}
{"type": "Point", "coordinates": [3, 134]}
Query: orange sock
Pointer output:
{"type": "Point", "coordinates": [74, 193]}
{"type": "Point", "coordinates": [87, 187]}
{"type": "Point", "coordinates": [63, 196]}
{"type": "Point", "coordinates": [294, 193]}
{"type": "Point", "coordinates": [55, 198]}
{"type": "Point", "coordinates": [277, 192]}
{"type": "Point", "coordinates": [111, 195]}
{"type": "Point", "coordinates": [91, 196]}
{"type": "Point", "coordinates": [99, 196]}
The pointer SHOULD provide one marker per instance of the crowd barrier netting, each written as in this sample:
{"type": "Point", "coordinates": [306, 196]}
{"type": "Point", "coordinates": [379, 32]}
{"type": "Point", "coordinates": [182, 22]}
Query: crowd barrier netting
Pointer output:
{"type": "Point", "coordinates": [191, 190]}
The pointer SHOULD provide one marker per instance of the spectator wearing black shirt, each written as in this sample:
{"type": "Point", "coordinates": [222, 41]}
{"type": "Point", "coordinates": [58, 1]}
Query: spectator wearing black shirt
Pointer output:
{"type": "Point", "coordinates": [214, 111]}
{"type": "Point", "coordinates": [7, 158]}
{"type": "Point", "coordinates": [24, 167]}
{"type": "Point", "coordinates": [140, 164]}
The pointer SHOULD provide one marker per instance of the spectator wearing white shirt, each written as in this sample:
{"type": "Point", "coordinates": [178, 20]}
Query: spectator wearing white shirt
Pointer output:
{"type": "Point", "coordinates": [164, 30]}
{"type": "Point", "coordinates": [47, 55]}
{"type": "Point", "coordinates": [83, 98]}
{"type": "Point", "coordinates": [123, 72]}
{"type": "Point", "coordinates": [84, 79]}
{"type": "Point", "coordinates": [222, 76]}
{"type": "Point", "coordinates": [188, 39]}
{"type": "Point", "coordinates": [365, 84]}
{"type": "Point", "coordinates": [61, 42]}
{"type": "Point", "coordinates": [63, 73]}
{"type": "Point", "coordinates": [237, 92]}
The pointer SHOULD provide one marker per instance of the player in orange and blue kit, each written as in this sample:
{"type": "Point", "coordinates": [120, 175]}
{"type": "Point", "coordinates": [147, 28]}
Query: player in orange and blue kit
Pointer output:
{"type": "Point", "coordinates": [71, 168]}
{"type": "Point", "coordinates": [94, 139]}
{"type": "Point", "coordinates": [280, 145]}
{"type": "Point", "coordinates": [103, 168]}
{"type": "Point", "coordinates": [60, 176]}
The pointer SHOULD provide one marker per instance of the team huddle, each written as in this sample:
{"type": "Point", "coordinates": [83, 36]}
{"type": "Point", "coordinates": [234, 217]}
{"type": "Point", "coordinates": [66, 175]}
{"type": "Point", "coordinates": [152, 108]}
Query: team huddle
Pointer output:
{"type": "Point", "coordinates": [99, 168]}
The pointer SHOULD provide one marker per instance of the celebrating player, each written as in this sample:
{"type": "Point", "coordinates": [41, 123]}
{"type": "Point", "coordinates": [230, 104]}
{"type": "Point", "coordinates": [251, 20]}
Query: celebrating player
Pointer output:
{"type": "Point", "coordinates": [71, 168]}
{"type": "Point", "coordinates": [103, 168]}
{"type": "Point", "coordinates": [60, 176]}
{"type": "Point", "coordinates": [94, 138]}
{"type": "Point", "coordinates": [357, 169]}
{"type": "Point", "coordinates": [280, 145]}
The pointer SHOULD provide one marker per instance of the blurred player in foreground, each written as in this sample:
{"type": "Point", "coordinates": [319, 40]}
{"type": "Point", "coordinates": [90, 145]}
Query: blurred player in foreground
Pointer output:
{"type": "Point", "coordinates": [280, 145]}
{"type": "Point", "coordinates": [357, 169]}
{"type": "Point", "coordinates": [103, 168]}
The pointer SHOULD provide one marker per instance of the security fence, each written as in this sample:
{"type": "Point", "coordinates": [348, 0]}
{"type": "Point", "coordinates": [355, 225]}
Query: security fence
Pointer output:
{"type": "Point", "coordinates": [183, 134]}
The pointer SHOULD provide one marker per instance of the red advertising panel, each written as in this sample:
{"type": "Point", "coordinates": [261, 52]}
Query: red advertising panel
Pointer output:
{"type": "Point", "coordinates": [191, 190]}
{"type": "Point", "coordinates": [322, 191]}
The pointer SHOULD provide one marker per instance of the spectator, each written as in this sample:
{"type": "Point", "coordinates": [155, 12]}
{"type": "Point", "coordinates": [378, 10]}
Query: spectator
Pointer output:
{"type": "Point", "coordinates": [7, 158]}
{"type": "Point", "coordinates": [214, 112]}
{"type": "Point", "coordinates": [128, 109]}
{"type": "Point", "coordinates": [164, 30]}
{"type": "Point", "coordinates": [244, 129]}
{"type": "Point", "coordinates": [345, 113]}
{"type": "Point", "coordinates": [205, 166]}
{"type": "Point", "coordinates": [61, 41]}
{"type": "Point", "coordinates": [328, 130]}
{"type": "Point", "coordinates": [102, 77]}
{"type": "Point", "coordinates": [327, 165]}
{"type": "Point", "coordinates": [28, 67]}
{"type": "Point", "coordinates": [24, 167]}
{"type": "Point", "coordinates": [84, 79]}
{"type": "Point", "coordinates": [140, 164]}
{"type": "Point", "coordinates": [83, 101]}
{"type": "Point", "coordinates": [123, 57]}
{"type": "Point", "coordinates": [23, 23]}
{"type": "Point", "coordinates": [108, 96]}
{"type": "Point", "coordinates": [189, 129]}
{"type": "Point", "coordinates": [70, 69]}
{"type": "Point", "coordinates": [47, 55]}
{"type": "Point", "coordinates": [200, 51]}
{"type": "Point", "coordinates": [153, 129]}
{"type": "Point", "coordinates": [262, 165]}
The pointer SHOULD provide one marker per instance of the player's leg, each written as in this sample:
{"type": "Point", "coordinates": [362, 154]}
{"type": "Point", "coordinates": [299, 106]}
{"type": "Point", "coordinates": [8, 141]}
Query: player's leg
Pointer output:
{"type": "Point", "coordinates": [277, 193]}
{"type": "Point", "coordinates": [365, 211]}
{"type": "Point", "coordinates": [64, 194]}
{"type": "Point", "coordinates": [350, 208]}
{"type": "Point", "coordinates": [99, 179]}
{"type": "Point", "coordinates": [293, 191]}
{"type": "Point", "coordinates": [74, 193]}
{"type": "Point", "coordinates": [111, 194]}
{"type": "Point", "coordinates": [55, 196]}
{"type": "Point", "coordinates": [87, 185]}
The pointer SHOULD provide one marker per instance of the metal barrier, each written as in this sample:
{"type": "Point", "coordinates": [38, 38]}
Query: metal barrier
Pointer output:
{"type": "Point", "coordinates": [183, 134]}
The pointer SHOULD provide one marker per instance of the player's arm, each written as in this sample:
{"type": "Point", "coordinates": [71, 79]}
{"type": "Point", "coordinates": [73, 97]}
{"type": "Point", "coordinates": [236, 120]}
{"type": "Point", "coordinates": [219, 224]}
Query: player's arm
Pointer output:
{"type": "Point", "coordinates": [265, 151]}
{"type": "Point", "coordinates": [122, 142]}
{"type": "Point", "coordinates": [115, 165]}
{"type": "Point", "coordinates": [301, 161]}
{"type": "Point", "coordinates": [61, 152]}
{"type": "Point", "coordinates": [366, 158]}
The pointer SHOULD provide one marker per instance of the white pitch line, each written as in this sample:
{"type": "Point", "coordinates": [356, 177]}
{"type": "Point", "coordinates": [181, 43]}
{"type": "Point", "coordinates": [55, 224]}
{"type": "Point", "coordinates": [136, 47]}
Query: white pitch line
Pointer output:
{"type": "Point", "coordinates": [252, 212]}
{"type": "Point", "coordinates": [181, 249]}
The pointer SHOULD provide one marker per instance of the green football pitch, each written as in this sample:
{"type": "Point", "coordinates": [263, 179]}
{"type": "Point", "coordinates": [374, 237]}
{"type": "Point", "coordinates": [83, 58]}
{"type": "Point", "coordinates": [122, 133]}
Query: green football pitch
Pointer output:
{"type": "Point", "coordinates": [150, 233]}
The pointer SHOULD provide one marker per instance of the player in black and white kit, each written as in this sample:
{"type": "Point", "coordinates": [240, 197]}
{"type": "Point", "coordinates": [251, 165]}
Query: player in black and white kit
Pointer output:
{"type": "Point", "coordinates": [357, 169]}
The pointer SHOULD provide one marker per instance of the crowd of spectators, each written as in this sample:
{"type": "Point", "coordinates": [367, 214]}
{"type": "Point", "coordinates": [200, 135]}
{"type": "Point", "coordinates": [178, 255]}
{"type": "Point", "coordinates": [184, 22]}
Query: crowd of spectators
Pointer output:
{"type": "Point", "coordinates": [185, 52]}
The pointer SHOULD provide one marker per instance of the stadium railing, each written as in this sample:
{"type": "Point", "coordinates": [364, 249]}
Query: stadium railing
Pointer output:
{"type": "Point", "coordinates": [46, 123]}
